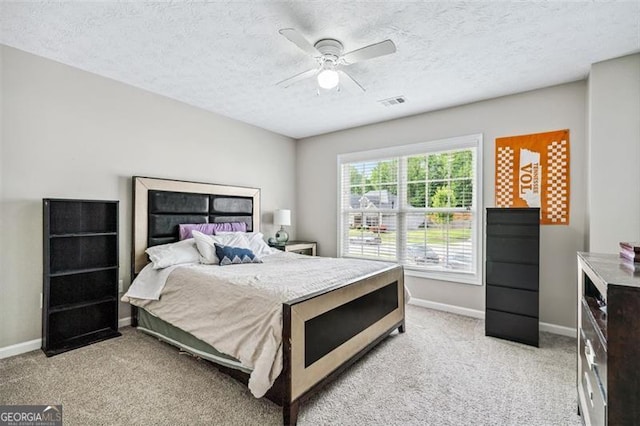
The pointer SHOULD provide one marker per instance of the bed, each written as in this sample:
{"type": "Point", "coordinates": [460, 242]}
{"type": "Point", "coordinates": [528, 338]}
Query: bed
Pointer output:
{"type": "Point", "coordinates": [323, 332]}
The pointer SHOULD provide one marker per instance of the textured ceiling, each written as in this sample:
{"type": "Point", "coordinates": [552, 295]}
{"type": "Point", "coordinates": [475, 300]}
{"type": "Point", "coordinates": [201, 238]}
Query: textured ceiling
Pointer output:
{"type": "Point", "coordinates": [226, 56]}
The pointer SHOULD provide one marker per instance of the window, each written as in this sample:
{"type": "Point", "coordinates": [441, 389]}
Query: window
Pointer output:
{"type": "Point", "coordinates": [416, 205]}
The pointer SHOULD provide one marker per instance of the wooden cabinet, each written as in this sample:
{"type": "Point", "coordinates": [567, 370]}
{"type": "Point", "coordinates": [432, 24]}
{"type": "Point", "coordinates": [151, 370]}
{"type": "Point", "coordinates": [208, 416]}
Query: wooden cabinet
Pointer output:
{"type": "Point", "coordinates": [512, 274]}
{"type": "Point", "coordinates": [80, 273]}
{"type": "Point", "coordinates": [301, 247]}
{"type": "Point", "coordinates": [608, 378]}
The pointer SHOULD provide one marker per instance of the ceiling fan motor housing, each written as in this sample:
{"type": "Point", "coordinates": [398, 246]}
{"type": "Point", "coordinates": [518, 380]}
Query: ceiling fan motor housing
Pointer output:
{"type": "Point", "coordinates": [330, 48]}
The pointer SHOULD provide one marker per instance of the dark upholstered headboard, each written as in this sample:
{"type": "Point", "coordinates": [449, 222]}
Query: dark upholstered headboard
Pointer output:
{"type": "Point", "coordinates": [168, 209]}
{"type": "Point", "coordinates": [160, 205]}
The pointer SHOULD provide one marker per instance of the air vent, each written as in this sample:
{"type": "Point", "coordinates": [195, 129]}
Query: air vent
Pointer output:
{"type": "Point", "coordinates": [396, 100]}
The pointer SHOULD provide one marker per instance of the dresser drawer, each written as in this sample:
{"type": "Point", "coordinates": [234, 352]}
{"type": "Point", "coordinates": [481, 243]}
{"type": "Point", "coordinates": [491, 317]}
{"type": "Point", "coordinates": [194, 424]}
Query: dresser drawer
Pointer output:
{"type": "Point", "coordinates": [513, 249]}
{"type": "Point", "coordinates": [518, 328]}
{"type": "Point", "coordinates": [500, 229]}
{"type": "Point", "coordinates": [592, 347]}
{"type": "Point", "coordinates": [593, 406]}
{"type": "Point", "coordinates": [515, 301]}
{"type": "Point", "coordinates": [515, 275]}
{"type": "Point", "coordinates": [513, 216]}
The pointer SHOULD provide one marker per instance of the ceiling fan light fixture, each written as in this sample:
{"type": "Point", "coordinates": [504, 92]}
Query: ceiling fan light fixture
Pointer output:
{"type": "Point", "coordinates": [331, 59]}
{"type": "Point", "coordinates": [328, 79]}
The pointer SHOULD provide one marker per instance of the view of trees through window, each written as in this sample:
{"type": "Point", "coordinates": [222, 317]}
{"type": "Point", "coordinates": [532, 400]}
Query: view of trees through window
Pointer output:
{"type": "Point", "coordinates": [428, 197]}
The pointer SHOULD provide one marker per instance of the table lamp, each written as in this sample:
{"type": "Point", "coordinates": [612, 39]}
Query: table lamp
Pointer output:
{"type": "Point", "coordinates": [282, 218]}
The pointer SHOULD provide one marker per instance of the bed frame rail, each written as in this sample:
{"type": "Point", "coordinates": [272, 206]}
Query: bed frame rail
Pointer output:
{"type": "Point", "coordinates": [324, 333]}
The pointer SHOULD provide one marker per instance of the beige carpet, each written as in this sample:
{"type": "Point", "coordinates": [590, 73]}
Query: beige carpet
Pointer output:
{"type": "Point", "coordinates": [443, 371]}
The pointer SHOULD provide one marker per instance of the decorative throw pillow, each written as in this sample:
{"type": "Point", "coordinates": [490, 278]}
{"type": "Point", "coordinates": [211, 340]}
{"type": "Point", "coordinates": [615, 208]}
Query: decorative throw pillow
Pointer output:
{"type": "Point", "coordinates": [256, 243]}
{"type": "Point", "coordinates": [230, 227]}
{"type": "Point", "coordinates": [207, 249]}
{"type": "Point", "coordinates": [234, 255]}
{"type": "Point", "coordinates": [186, 229]}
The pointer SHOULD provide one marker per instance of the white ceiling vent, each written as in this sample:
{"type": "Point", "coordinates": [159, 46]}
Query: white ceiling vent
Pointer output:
{"type": "Point", "coordinates": [396, 100]}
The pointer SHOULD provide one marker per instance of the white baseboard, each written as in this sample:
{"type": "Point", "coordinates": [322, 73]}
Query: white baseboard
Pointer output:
{"type": "Point", "coordinates": [32, 345]}
{"type": "Point", "coordinates": [20, 348]}
{"type": "Point", "coordinates": [474, 313]}
{"type": "Point", "coordinates": [123, 322]}
{"type": "Point", "coordinates": [447, 308]}
{"type": "Point", "coordinates": [558, 329]}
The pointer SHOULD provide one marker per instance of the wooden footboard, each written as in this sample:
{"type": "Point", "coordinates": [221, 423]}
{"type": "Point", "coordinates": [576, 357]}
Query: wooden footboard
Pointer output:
{"type": "Point", "coordinates": [324, 333]}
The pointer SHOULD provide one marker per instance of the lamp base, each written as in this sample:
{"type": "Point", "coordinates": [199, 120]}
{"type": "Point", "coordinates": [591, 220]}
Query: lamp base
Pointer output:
{"type": "Point", "coordinates": [282, 236]}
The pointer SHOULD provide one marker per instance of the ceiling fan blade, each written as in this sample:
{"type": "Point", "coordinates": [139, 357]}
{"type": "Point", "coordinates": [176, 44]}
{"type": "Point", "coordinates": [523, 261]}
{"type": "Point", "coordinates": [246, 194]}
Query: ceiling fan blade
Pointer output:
{"type": "Point", "coordinates": [368, 52]}
{"type": "Point", "coordinates": [349, 83]}
{"type": "Point", "coordinates": [291, 80]}
{"type": "Point", "coordinates": [296, 38]}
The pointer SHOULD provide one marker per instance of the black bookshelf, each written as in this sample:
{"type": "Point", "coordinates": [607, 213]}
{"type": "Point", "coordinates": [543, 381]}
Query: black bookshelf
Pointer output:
{"type": "Point", "coordinates": [80, 273]}
{"type": "Point", "coordinates": [512, 274]}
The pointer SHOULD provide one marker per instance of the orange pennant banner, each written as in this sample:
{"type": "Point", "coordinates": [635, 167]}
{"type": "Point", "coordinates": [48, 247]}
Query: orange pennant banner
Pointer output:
{"type": "Point", "coordinates": [533, 171]}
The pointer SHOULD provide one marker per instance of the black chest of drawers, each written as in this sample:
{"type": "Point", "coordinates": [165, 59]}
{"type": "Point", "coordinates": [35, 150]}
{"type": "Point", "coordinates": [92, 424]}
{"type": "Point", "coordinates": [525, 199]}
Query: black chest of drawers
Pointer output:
{"type": "Point", "coordinates": [512, 274]}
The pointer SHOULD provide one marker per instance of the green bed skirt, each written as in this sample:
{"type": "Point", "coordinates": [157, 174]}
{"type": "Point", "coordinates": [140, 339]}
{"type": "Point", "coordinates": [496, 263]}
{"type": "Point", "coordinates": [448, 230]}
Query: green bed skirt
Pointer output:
{"type": "Point", "coordinates": [154, 326]}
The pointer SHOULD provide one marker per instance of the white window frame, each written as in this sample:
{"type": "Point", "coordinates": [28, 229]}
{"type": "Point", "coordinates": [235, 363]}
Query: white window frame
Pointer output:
{"type": "Point", "coordinates": [449, 144]}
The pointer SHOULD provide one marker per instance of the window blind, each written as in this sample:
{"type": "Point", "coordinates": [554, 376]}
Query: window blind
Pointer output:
{"type": "Point", "coordinates": [416, 205]}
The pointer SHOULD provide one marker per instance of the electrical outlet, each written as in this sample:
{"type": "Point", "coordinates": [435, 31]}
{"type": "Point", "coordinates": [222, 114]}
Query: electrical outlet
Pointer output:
{"type": "Point", "coordinates": [121, 286]}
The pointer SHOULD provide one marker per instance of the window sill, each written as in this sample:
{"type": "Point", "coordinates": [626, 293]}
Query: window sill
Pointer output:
{"type": "Point", "coordinates": [458, 278]}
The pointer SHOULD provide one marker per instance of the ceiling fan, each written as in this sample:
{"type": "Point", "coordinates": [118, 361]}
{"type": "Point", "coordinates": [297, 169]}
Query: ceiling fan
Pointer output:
{"type": "Point", "coordinates": [328, 53]}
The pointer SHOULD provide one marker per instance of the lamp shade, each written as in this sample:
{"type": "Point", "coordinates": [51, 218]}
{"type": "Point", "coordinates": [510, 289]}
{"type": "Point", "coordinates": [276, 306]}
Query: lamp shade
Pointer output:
{"type": "Point", "coordinates": [282, 217]}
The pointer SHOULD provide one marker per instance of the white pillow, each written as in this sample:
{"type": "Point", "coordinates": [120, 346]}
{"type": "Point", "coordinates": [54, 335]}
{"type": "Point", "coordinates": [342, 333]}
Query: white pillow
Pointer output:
{"type": "Point", "coordinates": [206, 244]}
{"type": "Point", "coordinates": [165, 255]}
{"type": "Point", "coordinates": [256, 242]}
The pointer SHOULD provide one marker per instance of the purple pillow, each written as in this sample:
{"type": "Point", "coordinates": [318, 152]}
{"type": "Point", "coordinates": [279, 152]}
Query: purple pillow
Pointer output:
{"type": "Point", "coordinates": [231, 227]}
{"type": "Point", "coordinates": [186, 229]}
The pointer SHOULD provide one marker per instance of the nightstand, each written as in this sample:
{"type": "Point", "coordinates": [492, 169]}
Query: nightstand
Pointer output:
{"type": "Point", "coordinates": [301, 247]}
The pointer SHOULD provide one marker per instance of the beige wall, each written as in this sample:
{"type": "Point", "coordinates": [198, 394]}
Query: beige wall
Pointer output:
{"type": "Point", "coordinates": [614, 153]}
{"type": "Point", "coordinates": [71, 134]}
{"type": "Point", "coordinates": [548, 109]}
